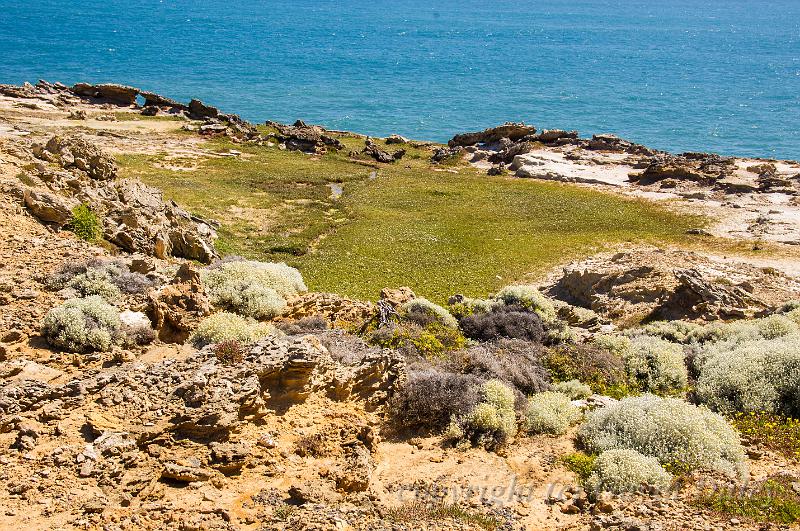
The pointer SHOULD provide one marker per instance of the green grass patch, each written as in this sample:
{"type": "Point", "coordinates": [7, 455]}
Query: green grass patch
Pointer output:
{"type": "Point", "coordinates": [778, 433]}
{"type": "Point", "coordinates": [440, 232]}
{"type": "Point", "coordinates": [773, 500]}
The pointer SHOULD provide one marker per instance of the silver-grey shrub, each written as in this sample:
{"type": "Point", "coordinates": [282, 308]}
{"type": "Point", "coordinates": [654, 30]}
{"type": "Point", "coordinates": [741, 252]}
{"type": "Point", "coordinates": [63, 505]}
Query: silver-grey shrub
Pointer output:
{"type": "Point", "coordinates": [760, 375]}
{"type": "Point", "coordinates": [680, 435]}
{"type": "Point", "coordinates": [656, 365]}
{"type": "Point", "coordinates": [82, 325]}
{"type": "Point", "coordinates": [624, 470]}
{"type": "Point", "coordinates": [550, 412]}
{"type": "Point", "coordinates": [253, 289]}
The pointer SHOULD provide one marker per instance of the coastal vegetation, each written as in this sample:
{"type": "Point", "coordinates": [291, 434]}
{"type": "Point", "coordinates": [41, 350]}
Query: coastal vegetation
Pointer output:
{"type": "Point", "coordinates": [438, 228]}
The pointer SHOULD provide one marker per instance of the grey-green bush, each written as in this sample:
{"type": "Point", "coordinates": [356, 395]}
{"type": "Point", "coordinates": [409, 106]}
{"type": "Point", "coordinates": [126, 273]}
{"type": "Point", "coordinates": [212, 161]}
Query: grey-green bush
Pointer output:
{"type": "Point", "coordinates": [760, 375]}
{"type": "Point", "coordinates": [528, 297]}
{"type": "Point", "coordinates": [620, 471]}
{"type": "Point", "coordinates": [225, 326]}
{"type": "Point", "coordinates": [492, 422]}
{"type": "Point", "coordinates": [427, 311]}
{"type": "Point", "coordinates": [574, 389]}
{"type": "Point", "coordinates": [82, 325]}
{"type": "Point", "coordinates": [656, 365]}
{"type": "Point", "coordinates": [252, 289]}
{"type": "Point", "coordinates": [680, 435]}
{"type": "Point", "coordinates": [550, 412]}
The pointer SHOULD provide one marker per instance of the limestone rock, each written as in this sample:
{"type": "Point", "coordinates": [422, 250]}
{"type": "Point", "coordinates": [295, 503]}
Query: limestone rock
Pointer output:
{"type": "Point", "coordinates": [397, 296]}
{"type": "Point", "coordinates": [49, 208]}
{"type": "Point", "coordinates": [177, 308]}
{"type": "Point", "coordinates": [510, 130]}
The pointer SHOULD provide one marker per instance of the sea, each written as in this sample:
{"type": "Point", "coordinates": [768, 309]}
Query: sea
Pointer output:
{"type": "Point", "coordinates": [678, 75]}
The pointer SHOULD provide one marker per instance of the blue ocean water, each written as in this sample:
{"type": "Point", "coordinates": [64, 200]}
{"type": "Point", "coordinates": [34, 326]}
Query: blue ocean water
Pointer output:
{"type": "Point", "coordinates": [711, 75]}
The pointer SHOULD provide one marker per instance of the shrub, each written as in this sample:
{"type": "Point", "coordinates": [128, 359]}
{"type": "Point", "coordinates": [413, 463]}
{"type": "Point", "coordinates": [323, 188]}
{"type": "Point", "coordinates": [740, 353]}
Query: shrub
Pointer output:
{"type": "Point", "coordinates": [623, 470]}
{"type": "Point", "coordinates": [99, 277]}
{"type": "Point", "coordinates": [580, 463]}
{"type": "Point", "coordinates": [82, 325]}
{"type": "Point", "coordinates": [509, 322]}
{"type": "Point", "coordinates": [656, 365]}
{"type": "Point", "coordinates": [422, 311]}
{"type": "Point", "coordinates": [465, 306]}
{"type": "Point", "coordinates": [530, 298]}
{"type": "Point", "coordinates": [85, 224]}
{"type": "Point", "coordinates": [761, 375]}
{"type": "Point", "coordinates": [137, 335]}
{"type": "Point", "coordinates": [574, 389]}
{"type": "Point", "coordinates": [550, 412]}
{"type": "Point", "coordinates": [615, 344]}
{"type": "Point", "coordinates": [675, 331]}
{"type": "Point", "coordinates": [252, 289]}
{"type": "Point", "coordinates": [224, 326]}
{"type": "Point", "coordinates": [492, 422]}
{"type": "Point", "coordinates": [512, 361]}
{"type": "Point", "coordinates": [229, 352]}
{"type": "Point", "coordinates": [680, 435]}
{"type": "Point", "coordinates": [429, 342]}
{"type": "Point", "coordinates": [600, 369]}
{"type": "Point", "coordinates": [430, 399]}
{"type": "Point", "coordinates": [776, 326]}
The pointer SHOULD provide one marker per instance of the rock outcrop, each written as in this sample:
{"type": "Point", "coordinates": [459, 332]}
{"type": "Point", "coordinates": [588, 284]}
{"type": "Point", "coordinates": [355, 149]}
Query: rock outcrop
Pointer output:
{"type": "Point", "coordinates": [659, 284]}
{"type": "Point", "coordinates": [134, 216]}
{"type": "Point", "coordinates": [177, 308]}
{"type": "Point", "coordinates": [510, 130]}
{"type": "Point", "coordinates": [305, 138]}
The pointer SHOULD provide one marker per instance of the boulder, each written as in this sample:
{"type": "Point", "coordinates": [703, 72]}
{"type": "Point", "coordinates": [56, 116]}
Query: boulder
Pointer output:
{"type": "Point", "coordinates": [306, 138]}
{"type": "Point", "coordinates": [107, 92]}
{"type": "Point", "coordinates": [176, 308]}
{"type": "Point", "coordinates": [510, 130]}
{"type": "Point", "coordinates": [371, 149]}
{"type": "Point", "coordinates": [199, 110]}
{"type": "Point", "coordinates": [50, 208]}
{"type": "Point", "coordinates": [397, 296]}
{"type": "Point", "coordinates": [335, 309]}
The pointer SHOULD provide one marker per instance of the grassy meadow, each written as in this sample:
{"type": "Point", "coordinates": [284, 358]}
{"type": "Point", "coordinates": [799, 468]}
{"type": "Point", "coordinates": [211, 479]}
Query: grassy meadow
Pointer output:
{"type": "Point", "coordinates": [440, 230]}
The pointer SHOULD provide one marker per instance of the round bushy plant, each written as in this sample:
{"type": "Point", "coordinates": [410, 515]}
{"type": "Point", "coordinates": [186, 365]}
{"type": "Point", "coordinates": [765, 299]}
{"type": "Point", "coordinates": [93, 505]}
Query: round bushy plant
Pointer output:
{"type": "Point", "coordinates": [656, 365]}
{"type": "Point", "coordinates": [504, 321]}
{"type": "Point", "coordinates": [776, 326]}
{"type": "Point", "coordinates": [550, 412]}
{"type": "Point", "coordinates": [85, 223]}
{"type": "Point", "coordinates": [680, 435]}
{"type": "Point", "coordinates": [574, 389]}
{"type": "Point", "coordinates": [82, 325]}
{"type": "Point", "coordinates": [253, 289]}
{"type": "Point", "coordinates": [675, 331]}
{"type": "Point", "coordinates": [761, 375]}
{"type": "Point", "coordinates": [626, 470]}
{"type": "Point", "coordinates": [422, 311]}
{"type": "Point", "coordinates": [490, 423]}
{"type": "Point", "coordinates": [466, 306]}
{"type": "Point", "coordinates": [530, 298]}
{"type": "Point", "coordinates": [95, 282]}
{"type": "Point", "coordinates": [225, 326]}
{"type": "Point", "coordinates": [430, 399]}
{"type": "Point", "coordinates": [513, 361]}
